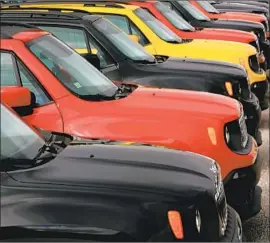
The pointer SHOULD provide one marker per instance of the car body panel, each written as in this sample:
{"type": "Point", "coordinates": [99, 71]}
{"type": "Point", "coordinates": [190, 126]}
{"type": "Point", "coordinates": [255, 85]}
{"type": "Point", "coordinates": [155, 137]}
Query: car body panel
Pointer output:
{"type": "Point", "coordinates": [129, 118]}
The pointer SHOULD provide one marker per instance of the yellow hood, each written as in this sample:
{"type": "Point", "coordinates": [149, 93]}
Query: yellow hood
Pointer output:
{"type": "Point", "coordinates": [209, 49]}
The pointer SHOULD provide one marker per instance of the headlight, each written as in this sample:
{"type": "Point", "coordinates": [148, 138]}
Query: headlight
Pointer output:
{"type": "Point", "coordinates": [243, 130]}
{"type": "Point", "coordinates": [198, 221]}
{"type": "Point", "coordinates": [227, 135]}
{"type": "Point", "coordinates": [218, 180]}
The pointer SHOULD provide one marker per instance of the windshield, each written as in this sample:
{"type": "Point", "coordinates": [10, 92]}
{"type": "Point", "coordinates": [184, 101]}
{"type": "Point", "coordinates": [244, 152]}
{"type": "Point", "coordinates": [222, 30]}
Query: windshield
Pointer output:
{"type": "Point", "coordinates": [175, 19]}
{"type": "Point", "coordinates": [72, 70]}
{"type": "Point", "coordinates": [157, 27]}
{"type": "Point", "coordinates": [194, 12]}
{"type": "Point", "coordinates": [18, 141]}
{"type": "Point", "coordinates": [208, 7]}
{"type": "Point", "coordinates": [122, 41]}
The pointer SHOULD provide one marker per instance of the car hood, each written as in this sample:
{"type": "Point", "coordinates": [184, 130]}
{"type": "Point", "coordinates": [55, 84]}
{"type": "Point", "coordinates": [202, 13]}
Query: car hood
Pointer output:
{"type": "Point", "coordinates": [122, 167]}
{"type": "Point", "coordinates": [182, 69]}
{"type": "Point", "coordinates": [237, 15]}
{"type": "Point", "coordinates": [241, 25]}
{"type": "Point", "coordinates": [239, 35]}
{"type": "Point", "coordinates": [209, 49]}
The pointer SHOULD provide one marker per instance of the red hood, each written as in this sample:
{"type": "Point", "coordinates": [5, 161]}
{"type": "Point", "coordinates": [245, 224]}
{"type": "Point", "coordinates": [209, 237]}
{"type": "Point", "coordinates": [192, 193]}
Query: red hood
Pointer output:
{"type": "Point", "coordinates": [230, 35]}
{"type": "Point", "coordinates": [242, 16]}
{"type": "Point", "coordinates": [150, 115]}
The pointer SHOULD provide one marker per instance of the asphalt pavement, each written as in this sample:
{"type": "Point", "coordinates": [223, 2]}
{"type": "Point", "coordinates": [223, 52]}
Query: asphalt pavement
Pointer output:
{"type": "Point", "coordinates": [257, 228]}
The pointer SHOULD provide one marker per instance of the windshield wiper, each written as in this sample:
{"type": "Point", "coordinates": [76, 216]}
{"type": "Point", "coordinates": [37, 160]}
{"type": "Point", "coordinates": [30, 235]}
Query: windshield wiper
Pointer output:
{"type": "Point", "coordinates": [174, 41]}
{"type": "Point", "coordinates": [145, 61]}
{"type": "Point", "coordinates": [97, 97]}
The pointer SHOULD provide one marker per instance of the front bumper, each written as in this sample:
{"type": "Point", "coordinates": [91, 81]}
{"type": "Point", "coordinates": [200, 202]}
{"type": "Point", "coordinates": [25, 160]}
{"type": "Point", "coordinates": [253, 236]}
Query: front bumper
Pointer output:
{"type": "Point", "coordinates": [234, 230]}
{"type": "Point", "coordinates": [253, 115]}
{"type": "Point", "coordinates": [260, 89]}
{"type": "Point", "coordinates": [241, 182]}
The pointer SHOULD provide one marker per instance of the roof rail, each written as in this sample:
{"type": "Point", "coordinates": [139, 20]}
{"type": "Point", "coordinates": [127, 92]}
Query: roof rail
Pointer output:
{"type": "Point", "coordinates": [50, 10]}
{"type": "Point", "coordinates": [8, 29]}
{"type": "Point", "coordinates": [104, 3]}
{"type": "Point", "coordinates": [53, 13]}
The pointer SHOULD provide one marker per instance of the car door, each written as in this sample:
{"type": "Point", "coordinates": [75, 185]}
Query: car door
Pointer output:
{"type": "Point", "coordinates": [82, 42]}
{"type": "Point", "coordinates": [15, 73]}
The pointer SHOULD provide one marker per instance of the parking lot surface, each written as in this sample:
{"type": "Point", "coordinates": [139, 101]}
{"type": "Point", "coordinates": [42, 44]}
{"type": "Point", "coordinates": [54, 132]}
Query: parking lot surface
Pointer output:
{"type": "Point", "coordinates": [256, 229]}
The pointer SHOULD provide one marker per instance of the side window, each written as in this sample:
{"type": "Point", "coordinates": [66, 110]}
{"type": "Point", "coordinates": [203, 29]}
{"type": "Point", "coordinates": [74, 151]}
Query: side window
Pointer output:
{"type": "Point", "coordinates": [105, 59]}
{"type": "Point", "coordinates": [120, 21]}
{"type": "Point", "coordinates": [142, 39]}
{"type": "Point", "coordinates": [75, 38]}
{"type": "Point", "coordinates": [8, 70]}
{"type": "Point", "coordinates": [28, 81]}
{"type": "Point", "coordinates": [128, 27]}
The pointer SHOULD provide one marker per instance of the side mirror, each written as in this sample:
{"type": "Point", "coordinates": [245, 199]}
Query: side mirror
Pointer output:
{"type": "Point", "coordinates": [93, 59]}
{"type": "Point", "coordinates": [19, 98]}
{"type": "Point", "coordinates": [134, 37]}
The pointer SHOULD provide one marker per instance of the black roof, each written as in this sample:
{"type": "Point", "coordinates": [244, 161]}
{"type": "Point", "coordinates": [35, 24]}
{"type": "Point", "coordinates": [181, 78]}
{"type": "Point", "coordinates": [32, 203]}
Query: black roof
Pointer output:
{"type": "Point", "coordinates": [7, 30]}
{"type": "Point", "coordinates": [52, 13]}
{"type": "Point", "coordinates": [105, 3]}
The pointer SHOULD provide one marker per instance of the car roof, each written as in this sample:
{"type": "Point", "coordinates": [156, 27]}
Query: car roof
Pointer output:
{"type": "Point", "coordinates": [8, 30]}
{"type": "Point", "coordinates": [120, 4]}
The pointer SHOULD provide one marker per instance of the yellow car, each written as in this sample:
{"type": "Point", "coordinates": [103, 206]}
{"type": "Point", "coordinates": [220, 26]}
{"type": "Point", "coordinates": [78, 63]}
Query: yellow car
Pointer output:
{"type": "Point", "coordinates": [157, 39]}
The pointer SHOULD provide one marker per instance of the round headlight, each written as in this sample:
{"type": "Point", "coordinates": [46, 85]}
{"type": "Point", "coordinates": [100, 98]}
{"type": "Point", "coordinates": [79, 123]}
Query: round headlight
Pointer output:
{"type": "Point", "coordinates": [198, 221]}
{"type": "Point", "coordinates": [227, 135]}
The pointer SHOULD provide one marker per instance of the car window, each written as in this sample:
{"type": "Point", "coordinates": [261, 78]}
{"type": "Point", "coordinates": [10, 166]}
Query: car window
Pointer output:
{"type": "Point", "coordinates": [77, 39]}
{"type": "Point", "coordinates": [119, 21]}
{"type": "Point", "coordinates": [104, 57]}
{"type": "Point", "coordinates": [162, 31]}
{"type": "Point", "coordinates": [193, 11]}
{"type": "Point", "coordinates": [8, 70]}
{"type": "Point", "coordinates": [28, 81]}
{"type": "Point", "coordinates": [72, 70]}
{"type": "Point", "coordinates": [173, 17]}
{"type": "Point", "coordinates": [127, 26]}
{"type": "Point", "coordinates": [208, 7]}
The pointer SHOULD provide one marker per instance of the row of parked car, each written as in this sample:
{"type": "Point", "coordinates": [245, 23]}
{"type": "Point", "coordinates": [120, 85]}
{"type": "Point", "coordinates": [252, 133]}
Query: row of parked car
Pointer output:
{"type": "Point", "coordinates": [131, 121]}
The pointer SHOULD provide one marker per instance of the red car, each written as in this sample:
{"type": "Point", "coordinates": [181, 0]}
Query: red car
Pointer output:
{"type": "Point", "coordinates": [55, 89]}
{"type": "Point", "coordinates": [183, 29]}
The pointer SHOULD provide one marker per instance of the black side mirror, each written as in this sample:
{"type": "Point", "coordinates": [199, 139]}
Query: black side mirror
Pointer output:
{"type": "Point", "coordinates": [93, 59]}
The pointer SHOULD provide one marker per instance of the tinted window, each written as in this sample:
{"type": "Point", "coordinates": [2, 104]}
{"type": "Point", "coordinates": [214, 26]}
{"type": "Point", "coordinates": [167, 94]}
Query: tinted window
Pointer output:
{"type": "Point", "coordinates": [8, 70]}
{"type": "Point", "coordinates": [157, 27]}
{"type": "Point", "coordinates": [31, 83]}
{"type": "Point", "coordinates": [174, 18]}
{"type": "Point", "coordinates": [77, 39]}
{"type": "Point", "coordinates": [196, 13]}
{"type": "Point", "coordinates": [72, 70]}
{"type": "Point", "coordinates": [208, 7]}
{"type": "Point", "coordinates": [122, 41]}
{"type": "Point", "coordinates": [129, 28]}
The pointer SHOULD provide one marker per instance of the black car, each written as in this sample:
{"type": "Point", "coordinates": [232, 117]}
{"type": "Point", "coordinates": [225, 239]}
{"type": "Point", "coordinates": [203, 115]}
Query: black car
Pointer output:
{"type": "Point", "coordinates": [199, 20]}
{"type": "Point", "coordinates": [57, 185]}
{"type": "Point", "coordinates": [124, 60]}
{"type": "Point", "coordinates": [242, 6]}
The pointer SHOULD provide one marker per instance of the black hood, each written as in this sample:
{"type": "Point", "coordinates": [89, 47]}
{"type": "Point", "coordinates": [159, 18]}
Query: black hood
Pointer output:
{"type": "Point", "coordinates": [127, 167]}
{"type": "Point", "coordinates": [238, 25]}
{"type": "Point", "coordinates": [123, 188]}
{"type": "Point", "coordinates": [244, 6]}
{"type": "Point", "coordinates": [187, 73]}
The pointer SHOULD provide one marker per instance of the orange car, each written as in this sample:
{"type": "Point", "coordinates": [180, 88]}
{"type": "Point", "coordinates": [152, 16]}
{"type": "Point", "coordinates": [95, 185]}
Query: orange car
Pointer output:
{"type": "Point", "coordinates": [52, 87]}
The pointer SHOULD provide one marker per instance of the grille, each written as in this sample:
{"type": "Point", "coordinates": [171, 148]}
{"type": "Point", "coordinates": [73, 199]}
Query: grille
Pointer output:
{"type": "Point", "coordinates": [254, 63]}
